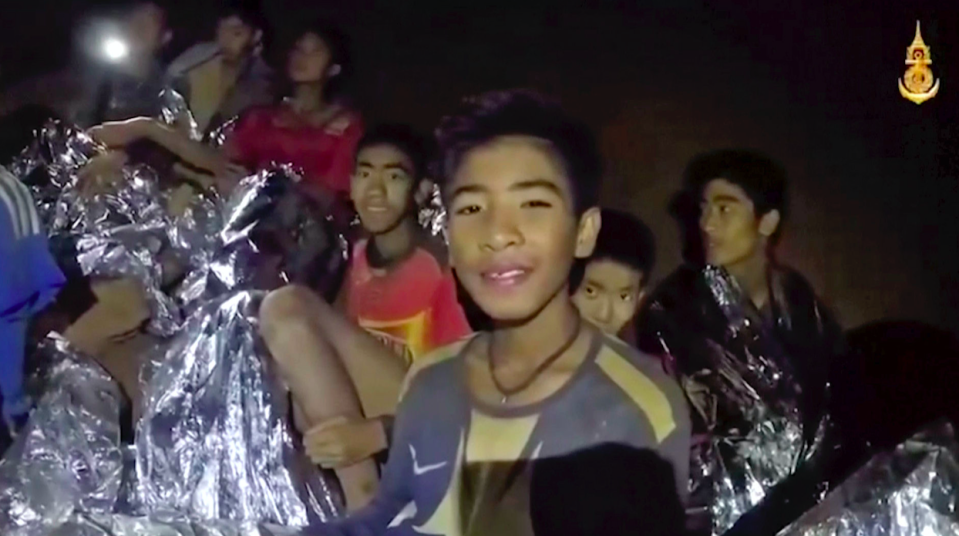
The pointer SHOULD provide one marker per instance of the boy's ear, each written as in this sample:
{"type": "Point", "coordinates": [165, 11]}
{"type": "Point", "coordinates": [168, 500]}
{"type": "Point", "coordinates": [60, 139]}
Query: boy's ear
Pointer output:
{"type": "Point", "coordinates": [589, 224]}
{"type": "Point", "coordinates": [423, 192]}
{"type": "Point", "coordinates": [769, 223]}
{"type": "Point", "coordinates": [167, 37]}
{"type": "Point", "coordinates": [334, 70]}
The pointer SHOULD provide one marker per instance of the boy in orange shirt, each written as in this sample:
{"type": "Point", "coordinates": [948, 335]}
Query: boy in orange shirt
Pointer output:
{"type": "Point", "coordinates": [345, 365]}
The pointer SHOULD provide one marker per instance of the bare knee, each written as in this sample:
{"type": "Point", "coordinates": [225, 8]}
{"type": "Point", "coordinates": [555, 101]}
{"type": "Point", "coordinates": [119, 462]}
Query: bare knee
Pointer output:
{"type": "Point", "coordinates": [284, 310]}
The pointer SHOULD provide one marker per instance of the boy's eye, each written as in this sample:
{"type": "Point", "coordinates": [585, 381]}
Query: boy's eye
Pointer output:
{"type": "Point", "coordinates": [537, 203]}
{"type": "Point", "coordinates": [591, 292]}
{"type": "Point", "coordinates": [397, 176]}
{"type": "Point", "coordinates": [467, 210]}
{"type": "Point", "coordinates": [626, 296]}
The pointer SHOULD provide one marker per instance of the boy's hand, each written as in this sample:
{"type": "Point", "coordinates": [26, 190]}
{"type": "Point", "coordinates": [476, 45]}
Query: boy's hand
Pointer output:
{"type": "Point", "coordinates": [121, 133]}
{"type": "Point", "coordinates": [341, 443]}
{"type": "Point", "coordinates": [102, 171]}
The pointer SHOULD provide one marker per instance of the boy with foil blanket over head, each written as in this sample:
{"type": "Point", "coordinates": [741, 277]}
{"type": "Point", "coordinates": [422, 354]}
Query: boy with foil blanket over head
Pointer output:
{"type": "Point", "coordinates": [752, 344]}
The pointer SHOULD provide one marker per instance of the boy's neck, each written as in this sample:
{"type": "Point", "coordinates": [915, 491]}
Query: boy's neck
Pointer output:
{"type": "Point", "coordinates": [140, 67]}
{"type": "Point", "coordinates": [752, 275]}
{"type": "Point", "coordinates": [397, 242]}
{"type": "Point", "coordinates": [308, 99]}
{"type": "Point", "coordinates": [528, 340]}
{"type": "Point", "coordinates": [231, 66]}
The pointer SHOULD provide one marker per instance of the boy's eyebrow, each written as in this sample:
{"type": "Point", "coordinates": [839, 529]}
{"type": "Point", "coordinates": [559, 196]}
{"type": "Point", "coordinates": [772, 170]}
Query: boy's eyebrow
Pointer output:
{"type": "Point", "coordinates": [467, 189]}
{"type": "Point", "coordinates": [397, 165]}
{"type": "Point", "coordinates": [537, 183]}
{"type": "Point", "coordinates": [725, 198]}
{"type": "Point", "coordinates": [592, 282]}
{"type": "Point", "coordinates": [391, 165]}
{"type": "Point", "coordinates": [520, 185]}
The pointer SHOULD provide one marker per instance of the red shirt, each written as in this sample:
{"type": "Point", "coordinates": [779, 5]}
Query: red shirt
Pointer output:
{"type": "Point", "coordinates": [324, 154]}
{"type": "Point", "coordinates": [410, 307]}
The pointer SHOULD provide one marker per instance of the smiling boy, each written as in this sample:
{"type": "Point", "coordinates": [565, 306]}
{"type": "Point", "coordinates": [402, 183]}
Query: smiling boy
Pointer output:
{"type": "Point", "coordinates": [344, 365]}
{"type": "Point", "coordinates": [521, 182]}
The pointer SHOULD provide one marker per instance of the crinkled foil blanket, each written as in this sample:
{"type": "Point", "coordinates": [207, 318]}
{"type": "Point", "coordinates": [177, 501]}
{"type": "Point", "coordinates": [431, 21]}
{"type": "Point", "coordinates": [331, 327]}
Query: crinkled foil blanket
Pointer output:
{"type": "Point", "coordinates": [757, 438]}
{"type": "Point", "coordinates": [911, 491]}
{"type": "Point", "coordinates": [213, 453]}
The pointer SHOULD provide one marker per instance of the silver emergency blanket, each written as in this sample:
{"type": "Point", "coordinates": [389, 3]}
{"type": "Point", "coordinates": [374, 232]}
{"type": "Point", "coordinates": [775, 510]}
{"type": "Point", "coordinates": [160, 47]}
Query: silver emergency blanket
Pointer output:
{"type": "Point", "coordinates": [121, 525]}
{"type": "Point", "coordinates": [230, 448]}
{"type": "Point", "coordinates": [748, 460]}
{"type": "Point", "coordinates": [432, 215]}
{"type": "Point", "coordinates": [121, 230]}
{"type": "Point", "coordinates": [68, 457]}
{"type": "Point", "coordinates": [270, 236]}
{"type": "Point", "coordinates": [911, 491]}
{"type": "Point", "coordinates": [741, 386]}
{"type": "Point", "coordinates": [213, 442]}
{"type": "Point", "coordinates": [175, 111]}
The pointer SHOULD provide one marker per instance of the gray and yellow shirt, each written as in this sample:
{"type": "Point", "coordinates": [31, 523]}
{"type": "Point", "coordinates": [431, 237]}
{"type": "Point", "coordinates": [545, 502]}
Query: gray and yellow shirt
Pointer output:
{"type": "Point", "coordinates": [460, 467]}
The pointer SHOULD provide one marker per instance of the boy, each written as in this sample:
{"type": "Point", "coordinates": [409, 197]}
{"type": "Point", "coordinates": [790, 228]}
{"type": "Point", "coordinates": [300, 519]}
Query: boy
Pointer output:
{"type": "Point", "coordinates": [29, 281]}
{"type": "Point", "coordinates": [615, 277]}
{"type": "Point", "coordinates": [765, 340]}
{"type": "Point", "coordinates": [133, 87]}
{"type": "Point", "coordinates": [399, 300]}
{"type": "Point", "coordinates": [520, 185]}
{"type": "Point", "coordinates": [222, 79]}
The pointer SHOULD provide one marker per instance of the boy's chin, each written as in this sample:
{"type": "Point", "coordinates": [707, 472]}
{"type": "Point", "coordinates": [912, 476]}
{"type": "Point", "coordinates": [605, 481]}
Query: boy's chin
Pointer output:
{"type": "Point", "coordinates": [506, 311]}
{"type": "Point", "coordinates": [376, 226]}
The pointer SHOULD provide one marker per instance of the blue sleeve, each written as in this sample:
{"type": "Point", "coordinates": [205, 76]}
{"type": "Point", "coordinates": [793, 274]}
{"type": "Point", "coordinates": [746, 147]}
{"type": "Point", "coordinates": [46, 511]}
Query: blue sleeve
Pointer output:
{"type": "Point", "coordinates": [394, 493]}
{"type": "Point", "coordinates": [29, 278]}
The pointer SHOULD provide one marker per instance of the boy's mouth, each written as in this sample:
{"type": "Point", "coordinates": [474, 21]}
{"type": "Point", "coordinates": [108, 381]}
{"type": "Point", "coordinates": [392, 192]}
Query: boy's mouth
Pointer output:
{"type": "Point", "coordinates": [506, 277]}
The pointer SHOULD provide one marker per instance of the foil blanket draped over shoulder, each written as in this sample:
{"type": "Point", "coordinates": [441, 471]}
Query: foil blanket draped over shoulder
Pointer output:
{"type": "Point", "coordinates": [742, 390]}
{"type": "Point", "coordinates": [213, 452]}
{"type": "Point", "coordinates": [910, 491]}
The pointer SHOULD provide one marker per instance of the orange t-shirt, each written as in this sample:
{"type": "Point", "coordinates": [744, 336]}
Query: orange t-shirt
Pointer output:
{"type": "Point", "coordinates": [411, 307]}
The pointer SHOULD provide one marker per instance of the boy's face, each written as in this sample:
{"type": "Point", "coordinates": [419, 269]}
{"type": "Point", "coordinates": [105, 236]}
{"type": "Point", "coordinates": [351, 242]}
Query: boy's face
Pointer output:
{"type": "Point", "coordinates": [309, 60]}
{"type": "Point", "coordinates": [513, 229]}
{"type": "Point", "coordinates": [381, 187]}
{"type": "Point", "coordinates": [146, 30]}
{"type": "Point", "coordinates": [609, 295]}
{"type": "Point", "coordinates": [731, 231]}
{"type": "Point", "coordinates": [234, 37]}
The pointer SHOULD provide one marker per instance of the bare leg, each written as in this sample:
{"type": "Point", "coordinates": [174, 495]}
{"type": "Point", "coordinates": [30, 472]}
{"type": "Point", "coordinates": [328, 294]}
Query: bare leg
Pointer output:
{"type": "Point", "coordinates": [121, 308]}
{"type": "Point", "coordinates": [376, 371]}
{"type": "Point", "coordinates": [319, 382]}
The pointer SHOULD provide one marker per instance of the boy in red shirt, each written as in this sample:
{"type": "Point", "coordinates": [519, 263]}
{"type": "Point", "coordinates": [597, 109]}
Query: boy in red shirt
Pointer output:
{"type": "Point", "coordinates": [345, 370]}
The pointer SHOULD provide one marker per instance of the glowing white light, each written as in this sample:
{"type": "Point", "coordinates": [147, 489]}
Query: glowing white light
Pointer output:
{"type": "Point", "coordinates": [114, 49]}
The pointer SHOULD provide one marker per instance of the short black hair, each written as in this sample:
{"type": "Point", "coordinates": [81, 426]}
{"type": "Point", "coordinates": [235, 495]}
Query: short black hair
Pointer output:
{"type": "Point", "coordinates": [341, 52]}
{"type": "Point", "coordinates": [247, 11]}
{"type": "Point", "coordinates": [763, 180]}
{"type": "Point", "coordinates": [403, 137]}
{"type": "Point", "coordinates": [523, 112]}
{"type": "Point", "coordinates": [159, 4]}
{"type": "Point", "coordinates": [626, 239]}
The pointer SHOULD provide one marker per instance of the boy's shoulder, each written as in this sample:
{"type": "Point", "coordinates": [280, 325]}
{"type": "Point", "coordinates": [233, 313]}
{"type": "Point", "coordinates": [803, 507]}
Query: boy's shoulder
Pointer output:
{"type": "Point", "coordinates": [438, 363]}
{"type": "Point", "coordinates": [643, 380]}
